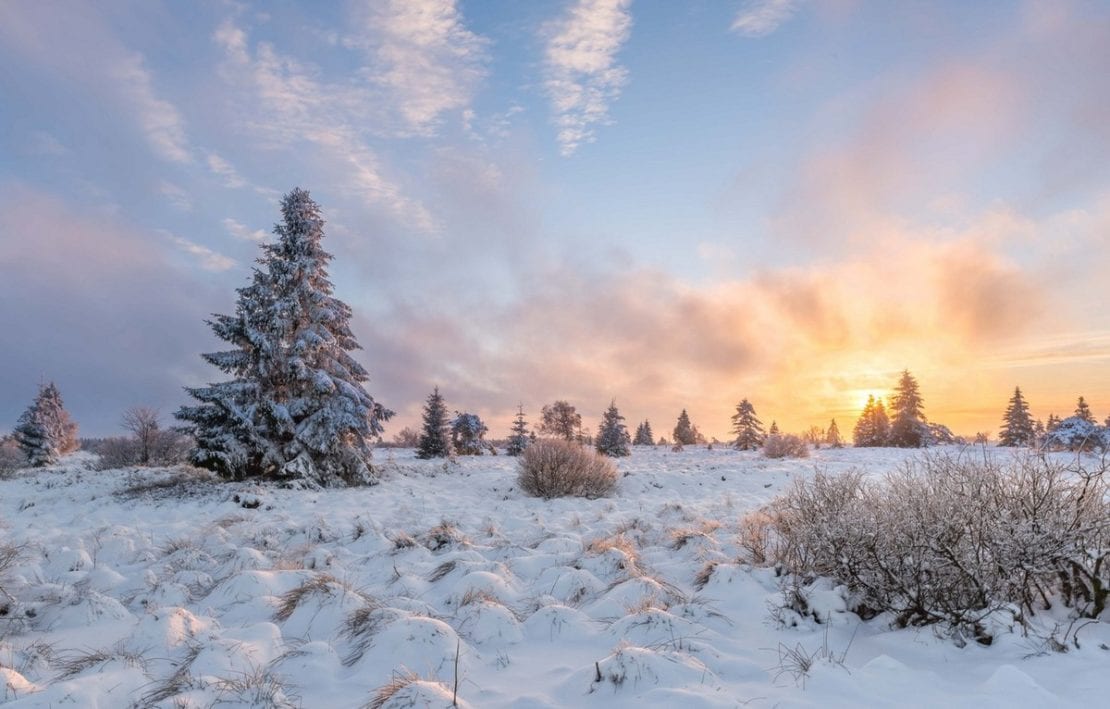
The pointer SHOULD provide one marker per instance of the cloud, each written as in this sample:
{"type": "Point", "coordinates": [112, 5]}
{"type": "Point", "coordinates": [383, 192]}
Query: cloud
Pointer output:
{"type": "Point", "coordinates": [102, 309]}
{"type": "Point", "coordinates": [288, 105]}
{"type": "Point", "coordinates": [208, 259]}
{"type": "Point", "coordinates": [422, 56]}
{"type": "Point", "coordinates": [75, 42]}
{"type": "Point", "coordinates": [582, 73]}
{"type": "Point", "coordinates": [226, 171]}
{"type": "Point", "coordinates": [176, 196]}
{"type": "Point", "coordinates": [241, 231]}
{"type": "Point", "coordinates": [759, 18]}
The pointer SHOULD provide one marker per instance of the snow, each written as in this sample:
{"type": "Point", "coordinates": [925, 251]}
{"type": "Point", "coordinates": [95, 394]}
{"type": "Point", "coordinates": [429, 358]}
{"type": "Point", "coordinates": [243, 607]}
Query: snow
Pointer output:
{"type": "Point", "coordinates": [133, 586]}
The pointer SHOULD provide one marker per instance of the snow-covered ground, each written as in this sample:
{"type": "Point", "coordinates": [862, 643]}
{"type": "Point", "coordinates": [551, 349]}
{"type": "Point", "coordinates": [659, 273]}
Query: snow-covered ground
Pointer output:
{"type": "Point", "coordinates": [193, 595]}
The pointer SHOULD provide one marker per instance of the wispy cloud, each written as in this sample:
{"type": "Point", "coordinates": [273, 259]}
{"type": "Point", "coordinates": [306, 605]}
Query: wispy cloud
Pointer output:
{"type": "Point", "coordinates": [241, 231]}
{"type": "Point", "coordinates": [208, 259]}
{"type": "Point", "coordinates": [295, 106]}
{"type": "Point", "coordinates": [176, 196]}
{"type": "Point", "coordinates": [422, 56]}
{"type": "Point", "coordinates": [759, 18]}
{"type": "Point", "coordinates": [225, 170]}
{"type": "Point", "coordinates": [582, 73]}
{"type": "Point", "coordinates": [159, 120]}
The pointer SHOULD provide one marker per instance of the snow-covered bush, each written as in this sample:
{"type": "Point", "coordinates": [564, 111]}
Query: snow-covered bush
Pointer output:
{"type": "Point", "coordinates": [785, 445]}
{"type": "Point", "coordinates": [558, 468]}
{"type": "Point", "coordinates": [947, 540]}
{"type": "Point", "coordinates": [467, 431]}
{"type": "Point", "coordinates": [1076, 433]}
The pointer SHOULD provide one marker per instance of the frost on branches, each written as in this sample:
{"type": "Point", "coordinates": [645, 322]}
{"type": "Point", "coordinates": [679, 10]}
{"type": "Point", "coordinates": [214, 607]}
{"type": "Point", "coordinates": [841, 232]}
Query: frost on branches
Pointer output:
{"type": "Point", "coordinates": [295, 406]}
{"type": "Point", "coordinates": [612, 436]}
{"type": "Point", "coordinates": [44, 431]}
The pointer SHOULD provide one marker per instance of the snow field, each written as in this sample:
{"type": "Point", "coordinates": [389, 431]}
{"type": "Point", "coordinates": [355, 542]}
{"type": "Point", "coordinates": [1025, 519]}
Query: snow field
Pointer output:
{"type": "Point", "coordinates": [133, 588]}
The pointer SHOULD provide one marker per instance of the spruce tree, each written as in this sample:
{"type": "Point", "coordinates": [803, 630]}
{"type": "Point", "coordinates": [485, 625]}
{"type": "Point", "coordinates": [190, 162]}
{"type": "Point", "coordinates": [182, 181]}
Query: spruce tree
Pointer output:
{"type": "Point", "coordinates": [1083, 411]}
{"type": "Point", "coordinates": [467, 431]}
{"type": "Point", "coordinates": [518, 434]}
{"type": "Point", "coordinates": [435, 436]}
{"type": "Point", "coordinates": [644, 436]}
{"type": "Point", "coordinates": [774, 430]}
{"type": "Point", "coordinates": [747, 427]}
{"type": "Point", "coordinates": [295, 406]}
{"type": "Point", "coordinates": [612, 436]}
{"type": "Point", "coordinates": [1017, 423]}
{"type": "Point", "coordinates": [684, 430]}
{"type": "Point", "coordinates": [832, 436]}
{"type": "Point", "coordinates": [872, 429]}
{"type": "Point", "coordinates": [908, 428]}
{"type": "Point", "coordinates": [1052, 423]}
{"type": "Point", "coordinates": [44, 431]}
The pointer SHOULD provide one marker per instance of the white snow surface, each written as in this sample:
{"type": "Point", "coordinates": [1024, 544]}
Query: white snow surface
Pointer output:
{"type": "Point", "coordinates": [234, 594]}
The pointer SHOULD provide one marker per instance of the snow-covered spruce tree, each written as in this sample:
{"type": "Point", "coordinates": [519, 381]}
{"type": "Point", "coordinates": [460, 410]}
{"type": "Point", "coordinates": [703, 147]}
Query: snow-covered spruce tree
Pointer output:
{"type": "Point", "coordinates": [435, 441]}
{"type": "Point", "coordinates": [1083, 411]}
{"type": "Point", "coordinates": [832, 436]}
{"type": "Point", "coordinates": [518, 434]}
{"type": "Point", "coordinates": [908, 428]}
{"type": "Point", "coordinates": [644, 435]}
{"type": "Point", "coordinates": [747, 427]}
{"type": "Point", "coordinates": [467, 432]}
{"type": "Point", "coordinates": [295, 407]}
{"type": "Point", "coordinates": [1017, 423]}
{"type": "Point", "coordinates": [44, 431]}
{"type": "Point", "coordinates": [873, 427]}
{"type": "Point", "coordinates": [684, 430]}
{"type": "Point", "coordinates": [612, 435]}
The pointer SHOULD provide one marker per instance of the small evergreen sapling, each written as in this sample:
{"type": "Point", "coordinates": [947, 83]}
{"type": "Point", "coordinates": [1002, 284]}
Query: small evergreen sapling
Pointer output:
{"type": "Point", "coordinates": [684, 432]}
{"type": "Point", "coordinates": [45, 431]}
{"type": "Point", "coordinates": [467, 432]}
{"type": "Point", "coordinates": [435, 436]}
{"type": "Point", "coordinates": [747, 427]}
{"type": "Point", "coordinates": [612, 435]}
{"type": "Point", "coordinates": [518, 434]}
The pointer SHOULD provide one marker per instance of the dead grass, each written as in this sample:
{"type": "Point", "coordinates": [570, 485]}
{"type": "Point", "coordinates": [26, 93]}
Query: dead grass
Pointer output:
{"type": "Point", "coordinates": [74, 663]}
{"type": "Point", "coordinates": [401, 679]}
{"type": "Point", "coordinates": [322, 584]}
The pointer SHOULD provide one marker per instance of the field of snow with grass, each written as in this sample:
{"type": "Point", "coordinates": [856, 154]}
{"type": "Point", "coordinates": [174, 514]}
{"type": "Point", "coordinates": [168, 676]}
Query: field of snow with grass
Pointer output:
{"type": "Point", "coordinates": [163, 587]}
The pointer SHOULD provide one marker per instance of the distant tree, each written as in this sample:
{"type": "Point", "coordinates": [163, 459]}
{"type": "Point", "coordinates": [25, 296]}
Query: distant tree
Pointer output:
{"type": "Point", "coordinates": [832, 435]}
{"type": "Point", "coordinates": [644, 435]}
{"type": "Point", "coordinates": [814, 435]}
{"type": "Point", "coordinates": [1051, 424]}
{"type": "Point", "coordinates": [747, 427]}
{"type": "Point", "coordinates": [295, 406]}
{"type": "Point", "coordinates": [561, 420]}
{"type": "Point", "coordinates": [684, 430]}
{"type": "Point", "coordinates": [435, 436]}
{"type": "Point", "coordinates": [663, 441]}
{"type": "Point", "coordinates": [908, 428]}
{"type": "Point", "coordinates": [45, 431]}
{"type": "Point", "coordinates": [142, 421]}
{"type": "Point", "coordinates": [518, 434]}
{"type": "Point", "coordinates": [774, 430]}
{"type": "Point", "coordinates": [407, 437]}
{"type": "Point", "coordinates": [612, 435]}
{"type": "Point", "coordinates": [1083, 411]}
{"type": "Point", "coordinates": [467, 432]}
{"type": "Point", "coordinates": [1076, 433]}
{"type": "Point", "coordinates": [1106, 423]}
{"type": "Point", "coordinates": [1017, 423]}
{"type": "Point", "coordinates": [873, 427]}
{"type": "Point", "coordinates": [1038, 430]}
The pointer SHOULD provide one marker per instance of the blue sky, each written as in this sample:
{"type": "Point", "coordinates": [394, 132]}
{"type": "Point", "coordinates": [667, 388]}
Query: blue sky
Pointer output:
{"type": "Point", "coordinates": [670, 204]}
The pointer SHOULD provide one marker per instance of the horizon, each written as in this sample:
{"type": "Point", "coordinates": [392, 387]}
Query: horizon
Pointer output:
{"type": "Point", "coordinates": [673, 206]}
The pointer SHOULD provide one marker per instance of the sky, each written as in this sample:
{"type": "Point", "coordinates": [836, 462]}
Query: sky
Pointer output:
{"type": "Point", "coordinates": [670, 205]}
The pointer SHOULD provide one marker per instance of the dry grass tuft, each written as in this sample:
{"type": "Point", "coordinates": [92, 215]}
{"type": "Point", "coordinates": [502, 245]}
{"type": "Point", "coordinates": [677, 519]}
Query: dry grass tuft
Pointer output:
{"type": "Point", "coordinates": [321, 584]}
{"type": "Point", "coordinates": [401, 679]}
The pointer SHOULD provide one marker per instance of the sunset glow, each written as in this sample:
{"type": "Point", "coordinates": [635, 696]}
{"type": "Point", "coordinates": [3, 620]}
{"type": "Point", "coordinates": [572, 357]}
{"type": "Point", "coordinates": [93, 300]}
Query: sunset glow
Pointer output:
{"type": "Point", "coordinates": [673, 205]}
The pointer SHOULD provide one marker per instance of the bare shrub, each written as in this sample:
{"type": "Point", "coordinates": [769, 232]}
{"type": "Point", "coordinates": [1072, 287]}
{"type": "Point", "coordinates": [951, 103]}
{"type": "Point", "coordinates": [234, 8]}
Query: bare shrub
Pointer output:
{"type": "Point", "coordinates": [948, 540]}
{"type": "Point", "coordinates": [558, 468]}
{"type": "Point", "coordinates": [11, 457]}
{"type": "Point", "coordinates": [785, 445]}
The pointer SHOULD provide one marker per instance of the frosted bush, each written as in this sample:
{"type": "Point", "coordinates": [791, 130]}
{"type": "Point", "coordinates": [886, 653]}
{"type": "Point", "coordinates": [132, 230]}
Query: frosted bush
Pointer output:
{"type": "Point", "coordinates": [557, 468]}
{"type": "Point", "coordinates": [947, 540]}
{"type": "Point", "coordinates": [785, 445]}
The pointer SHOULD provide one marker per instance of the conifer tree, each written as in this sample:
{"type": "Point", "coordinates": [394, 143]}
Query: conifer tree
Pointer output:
{"type": "Point", "coordinates": [908, 428]}
{"type": "Point", "coordinates": [644, 435]}
{"type": "Point", "coordinates": [1083, 411]}
{"type": "Point", "coordinates": [832, 436]}
{"type": "Point", "coordinates": [1052, 423]}
{"type": "Point", "coordinates": [684, 431]}
{"type": "Point", "coordinates": [747, 427]}
{"type": "Point", "coordinates": [774, 430]}
{"type": "Point", "coordinates": [872, 429]}
{"type": "Point", "coordinates": [612, 436]}
{"type": "Point", "coordinates": [1017, 423]}
{"type": "Point", "coordinates": [518, 434]}
{"type": "Point", "coordinates": [45, 432]}
{"type": "Point", "coordinates": [467, 431]}
{"type": "Point", "coordinates": [435, 435]}
{"type": "Point", "coordinates": [295, 406]}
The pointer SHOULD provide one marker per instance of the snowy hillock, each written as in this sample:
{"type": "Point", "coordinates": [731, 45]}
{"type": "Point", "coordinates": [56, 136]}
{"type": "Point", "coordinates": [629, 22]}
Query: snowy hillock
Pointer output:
{"type": "Point", "coordinates": [164, 587]}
